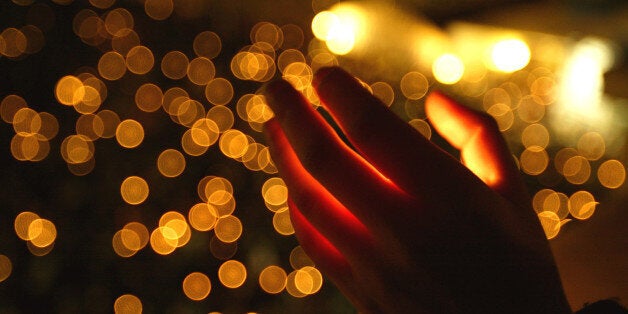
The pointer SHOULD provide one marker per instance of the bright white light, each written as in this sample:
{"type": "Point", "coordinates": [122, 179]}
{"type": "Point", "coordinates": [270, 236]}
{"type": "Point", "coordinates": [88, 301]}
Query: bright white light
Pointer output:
{"type": "Point", "coordinates": [448, 69]}
{"type": "Point", "coordinates": [322, 23]}
{"type": "Point", "coordinates": [341, 28]}
{"type": "Point", "coordinates": [510, 55]}
{"type": "Point", "coordinates": [581, 102]}
{"type": "Point", "coordinates": [582, 81]}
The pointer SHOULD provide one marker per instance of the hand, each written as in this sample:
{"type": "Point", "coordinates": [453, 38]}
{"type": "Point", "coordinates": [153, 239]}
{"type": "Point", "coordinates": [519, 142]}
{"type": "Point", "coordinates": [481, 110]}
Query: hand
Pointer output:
{"type": "Point", "coordinates": [400, 226]}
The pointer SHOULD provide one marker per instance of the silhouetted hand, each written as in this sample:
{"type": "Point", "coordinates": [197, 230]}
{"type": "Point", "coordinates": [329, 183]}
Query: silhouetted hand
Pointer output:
{"type": "Point", "coordinates": [400, 226]}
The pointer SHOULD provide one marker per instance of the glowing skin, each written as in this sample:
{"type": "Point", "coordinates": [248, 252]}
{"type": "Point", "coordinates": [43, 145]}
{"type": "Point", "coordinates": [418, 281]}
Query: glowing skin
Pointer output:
{"type": "Point", "coordinates": [398, 224]}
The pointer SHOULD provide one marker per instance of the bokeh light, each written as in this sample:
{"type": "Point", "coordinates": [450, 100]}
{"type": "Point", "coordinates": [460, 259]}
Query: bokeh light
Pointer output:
{"type": "Point", "coordinates": [228, 229]}
{"type": "Point", "coordinates": [140, 60]}
{"type": "Point", "coordinates": [448, 69]}
{"type": "Point", "coordinates": [232, 274]}
{"type": "Point", "coordinates": [582, 205]}
{"type": "Point", "coordinates": [510, 55]}
{"type": "Point", "coordinates": [207, 44]}
{"type": "Point", "coordinates": [42, 233]}
{"type": "Point", "coordinates": [534, 160]}
{"type": "Point", "coordinates": [196, 286]}
{"type": "Point", "coordinates": [611, 174]}
{"type": "Point", "coordinates": [127, 304]}
{"type": "Point", "coordinates": [273, 279]}
{"type": "Point", "coordinates": [129, 133]}
{"type": "Point", "coordinates": [134, 190]}
{"type": "Point", "coordinates": [422, 126]}
{"type": "Point", "coordinates": [149, 97]}
{"type": "Point", "coordinates": [171, 163]}
{"type": "Point", "coordinates": [202, 216]}
{"type": "Point", "coordinates": [112, 66]}
{"type": "Point", "coordinates": [414, 85]}
{"type": "Point", "coordinates": [308, 280]}
{"type": "Point", "coordinates": [174, 65]}
{"type": "Point", "coordinates": [219, 91]}
{"type": "Point", "coordinates": [299, 259]}
{"type": "Point", "coordinates": [340, 28]}
{"type": "Point", "coordinates": [5, 267]}
{"type": "Point", "coordinates": [201, 71]}
{"type": "Point", "coordinates": [550, 223]}
{"type": "Point", "coordinates": [159, 9]}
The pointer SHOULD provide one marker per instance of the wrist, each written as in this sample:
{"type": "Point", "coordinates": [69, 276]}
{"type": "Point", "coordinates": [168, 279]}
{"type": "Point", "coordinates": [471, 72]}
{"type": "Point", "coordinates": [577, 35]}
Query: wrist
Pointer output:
{"type": "Point", "coordinates": [607, 306]}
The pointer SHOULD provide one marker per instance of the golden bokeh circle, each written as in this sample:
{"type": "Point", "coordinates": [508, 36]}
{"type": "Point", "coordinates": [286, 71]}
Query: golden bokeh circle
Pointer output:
{"type": "Point", "coordinates": [134, 190]}
{"type": "Point", "coordinates": [196, 286]}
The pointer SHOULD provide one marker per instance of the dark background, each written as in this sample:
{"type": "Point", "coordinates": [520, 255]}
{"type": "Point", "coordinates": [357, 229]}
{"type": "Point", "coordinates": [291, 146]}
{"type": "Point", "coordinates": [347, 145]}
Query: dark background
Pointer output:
{"type": "Point", "coordinates": [83, 274]}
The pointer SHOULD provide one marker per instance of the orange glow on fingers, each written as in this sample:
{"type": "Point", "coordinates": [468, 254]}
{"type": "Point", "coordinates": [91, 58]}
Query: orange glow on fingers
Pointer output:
{"type": "Point", "coordinates": [449, 119]}
{"type": "Point", "coordinates": [475, 158]}
{"type": "Point", "coordinates": [322, 252]}
{"type": "Point", "coordinates": [481, 147]}
{"type": "Point", "coordinates": [323, 209]}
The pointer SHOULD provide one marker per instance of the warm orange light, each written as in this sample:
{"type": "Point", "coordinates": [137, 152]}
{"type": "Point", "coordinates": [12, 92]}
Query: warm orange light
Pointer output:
{"type": "Point", "coordinates": [196, 286]}
{"type": "Point", "coordinates": [129, 133]}
{"type": "Point", "coordinates": [140, 60]}
{"type": "Point", "coordinates": [308, 280]}
{"type": "Point", "coordinates": [124, 40]}
{"type": "Point", "coordinates": [611, 174]}
{"type": "Point", "coordinates": [5, 267]}
{"type": "Point", "coordinates": [68, 90]}
{"type": "Point", "coordinates": [219, 91]}
{"type": "Point", "coordinates": [299, 259]}
{"type": "Point", "coordinates": [228, 229]}
{"type": "Point", "coordinates": [171, 163]}
{"type": "Point", "coordinates": [222, 116]}
{"type": "Point", "coordinates": [414, 85]}
{"type": "Point", "coordinates": [207, 44]}
{"type": "Point", "coordinates": [232, 274]}
{"type": "Point", "coordinates": [127, 304]}
{"type": "Point", "coordinates": [202, 217]}
{"type": "Point", "coordinates": [273, 279]}
{"type": "Point", "coordinates": [112, 66]}
{"type": "Point", "coordinates": [282, 223]}
{"type": "Point", "coordinates": [158, 9]}
{"type": "Point", "coordinates": [582, 205]}
{"type": "Point", "coordinates": [201, 71]}
{"type": "Point", "coordinates": [134, 190]}
{"type": "Point", "coordinates": [10, 105]}
{"type": "Point", "coordinates": [149, 97]}
{"type": "Point", "coordinates": [174, 65]}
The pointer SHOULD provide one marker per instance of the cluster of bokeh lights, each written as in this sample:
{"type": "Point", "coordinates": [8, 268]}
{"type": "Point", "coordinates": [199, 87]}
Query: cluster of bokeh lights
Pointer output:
{"type": "Point", "coordinates": [507, 84]}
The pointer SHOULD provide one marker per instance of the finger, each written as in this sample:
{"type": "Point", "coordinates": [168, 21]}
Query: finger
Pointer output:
{"type": "Point", "coordinates": [324, 254]}
{"type": "Point", "coordinates": [325, 212]}
{"type": "Point", "coordinates": [330, 161]}
{"type": "Point", "coordinates": [329, 260]}
{"type": "Point", "coordinates": [386, 141]}
{"type": "Point", "coordinates": [482, 148]}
